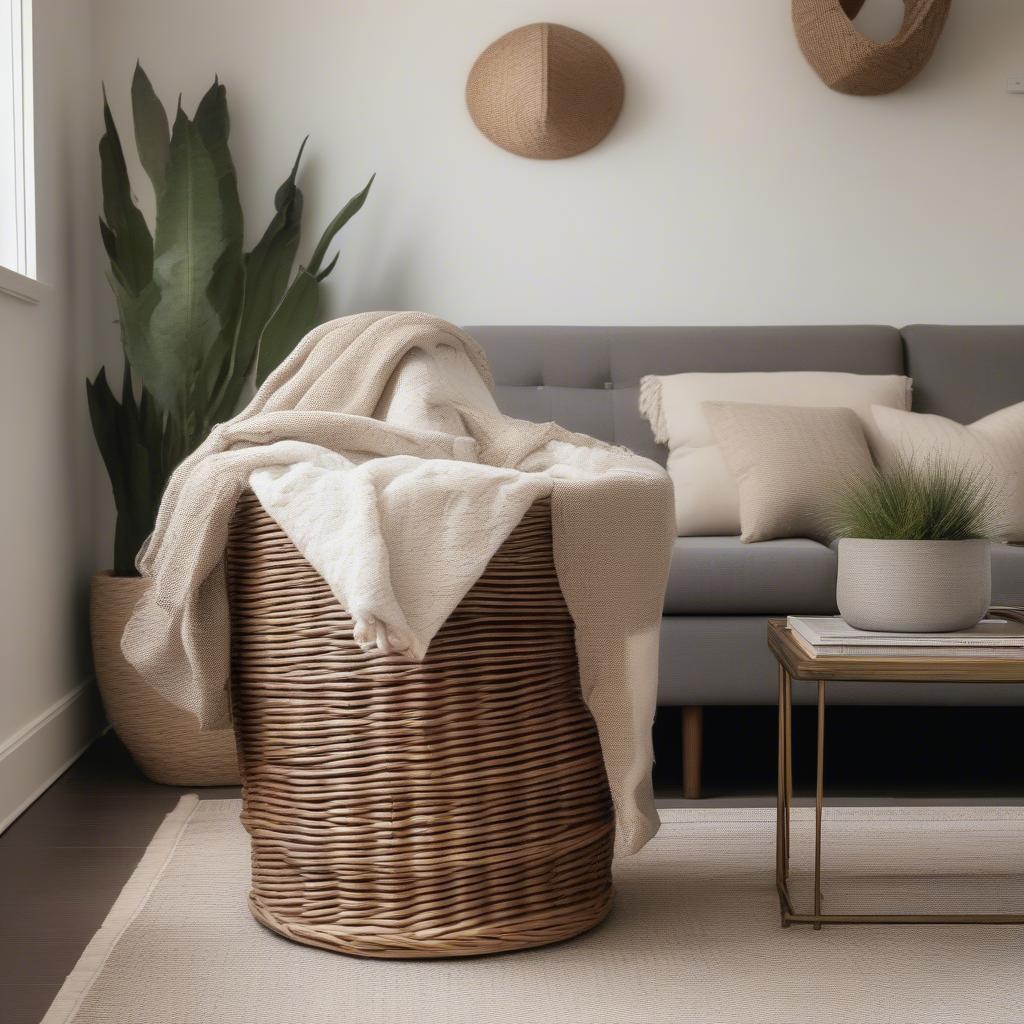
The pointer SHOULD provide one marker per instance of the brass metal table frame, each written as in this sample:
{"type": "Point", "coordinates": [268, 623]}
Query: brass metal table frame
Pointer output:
{"type": "Point", "coordinates": [794, 663]}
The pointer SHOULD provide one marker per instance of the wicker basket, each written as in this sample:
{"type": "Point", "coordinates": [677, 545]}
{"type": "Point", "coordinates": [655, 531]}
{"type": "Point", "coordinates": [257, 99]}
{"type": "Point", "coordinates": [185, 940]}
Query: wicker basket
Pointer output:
{"type": "Point", "coordinates": [164, 741]}
{"type": "Point", "coordinates": [450, 808]}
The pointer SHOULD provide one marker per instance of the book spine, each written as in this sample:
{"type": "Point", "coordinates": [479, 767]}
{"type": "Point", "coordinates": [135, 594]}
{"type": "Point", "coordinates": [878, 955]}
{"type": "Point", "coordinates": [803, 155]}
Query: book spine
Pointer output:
{"type": "Point", "coordinates": [849, 651]}
{"type": "Point", "coordinates": [917, 643]}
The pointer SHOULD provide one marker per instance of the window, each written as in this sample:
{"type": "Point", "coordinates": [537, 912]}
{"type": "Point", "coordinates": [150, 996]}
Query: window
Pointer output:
{"type": "Point", "coordinates": [17, 178]}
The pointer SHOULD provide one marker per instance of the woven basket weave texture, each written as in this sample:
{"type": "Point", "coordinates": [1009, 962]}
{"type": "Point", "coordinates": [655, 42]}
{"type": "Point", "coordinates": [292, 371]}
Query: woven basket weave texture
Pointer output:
{"type": "Point", "coordinates": [545, 92]}
{"type": "Point", "coordinates": [848, 61]}
{"type": "Point", "coordinates": [397, 809]}
{"type": "Point", "coordinates": [164, 741]}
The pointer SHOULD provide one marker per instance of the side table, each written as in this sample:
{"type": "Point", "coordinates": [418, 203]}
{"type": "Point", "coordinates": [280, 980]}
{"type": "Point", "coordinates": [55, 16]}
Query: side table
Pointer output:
{"type": "Point", "coordinates": [795, 663]}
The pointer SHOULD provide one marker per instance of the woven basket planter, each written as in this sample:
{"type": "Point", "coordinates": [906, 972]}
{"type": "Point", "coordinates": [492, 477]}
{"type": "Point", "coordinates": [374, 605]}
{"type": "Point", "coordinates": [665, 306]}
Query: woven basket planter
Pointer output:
{"type": "Point", "coordinates": [164, 741]}
{"type": "Point", "coordinates": [449, 808]}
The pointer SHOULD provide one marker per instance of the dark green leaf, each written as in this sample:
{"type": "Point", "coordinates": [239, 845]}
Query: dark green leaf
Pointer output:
{"type": "Point", "coordinates": [142, 512]}
{"type": "Point", "coordinates": [330, 266]}
{"type": "Point", "coordinates": [112, 431]}
{"type": "Point", "coordinates": [299, 310]}
{"type": "Point", "coordinates": [152, 135]}
{"type": "Point", "coordinates": [134, 312]}
{"type": "Point", "coordinates": [213, 124]}
{"type": "Point", "coordinates": [286, 190]}
{"type": "Point", "coordinates": [103, 413]}
{"type": "Point", "coordinates": [298, 313]}
{"type": "Point", "coordinates": [130, 436]}
{"type": "Point", "coordinates": [267, 270]}
{"type": "Point", "coordinates": [348, 211]}
{"type": "Point", "coordinates": [190, 243]}
{"type": "Point", "coordinates": [128, 395]}
{"type": "Point", "coordinates": [109, 241]}
{"type": "Point", "coordinates": [226, 286]}
{"type": "Point", "coordinates": [133, 244]}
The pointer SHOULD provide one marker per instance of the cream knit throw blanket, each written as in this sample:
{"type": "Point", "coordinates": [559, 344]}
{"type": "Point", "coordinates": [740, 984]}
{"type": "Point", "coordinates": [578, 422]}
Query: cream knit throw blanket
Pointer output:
{"type": "Point", "coordinates": [378, 449]}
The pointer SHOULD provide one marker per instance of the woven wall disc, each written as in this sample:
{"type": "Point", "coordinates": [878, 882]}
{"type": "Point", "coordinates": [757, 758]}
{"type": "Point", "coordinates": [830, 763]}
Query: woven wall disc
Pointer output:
{"type": "Point", "coordinates": [545, 91]}
{"type": "Point", "coordinates": [848, 61]}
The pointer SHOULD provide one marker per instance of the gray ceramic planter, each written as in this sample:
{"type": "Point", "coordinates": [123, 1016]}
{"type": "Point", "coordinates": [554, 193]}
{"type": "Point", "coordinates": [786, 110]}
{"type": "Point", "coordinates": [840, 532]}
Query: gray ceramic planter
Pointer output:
{"type": "Point", "coordinates": [914, 586]}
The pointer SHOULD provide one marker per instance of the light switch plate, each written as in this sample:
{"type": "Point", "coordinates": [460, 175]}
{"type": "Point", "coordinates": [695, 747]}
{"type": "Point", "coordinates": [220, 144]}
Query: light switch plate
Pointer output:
{"type": "Point", "coordinates": [1015, 83]}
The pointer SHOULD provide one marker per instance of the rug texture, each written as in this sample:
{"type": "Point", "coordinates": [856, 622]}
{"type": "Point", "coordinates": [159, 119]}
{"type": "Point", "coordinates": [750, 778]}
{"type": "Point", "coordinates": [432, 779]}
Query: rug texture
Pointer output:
{"type": "Point", "coordinates": [694, 936]}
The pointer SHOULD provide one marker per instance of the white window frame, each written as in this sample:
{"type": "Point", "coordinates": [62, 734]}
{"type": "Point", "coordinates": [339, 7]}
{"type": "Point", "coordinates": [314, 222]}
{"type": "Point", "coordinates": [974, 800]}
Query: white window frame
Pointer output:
{"type": "Point", "coordinates": [20, 280]}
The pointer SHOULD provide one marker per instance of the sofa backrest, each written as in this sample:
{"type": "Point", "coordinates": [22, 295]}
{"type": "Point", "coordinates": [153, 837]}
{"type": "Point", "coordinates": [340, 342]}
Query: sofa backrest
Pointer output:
{"type": "Point", "coordinates": [587, 378]}
{"type": "Point", "coordinates": [965, 372]}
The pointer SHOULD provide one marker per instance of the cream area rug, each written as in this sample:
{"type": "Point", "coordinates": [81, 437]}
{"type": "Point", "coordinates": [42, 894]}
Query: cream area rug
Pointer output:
{"type": "Point", "coordinates": [694, 936]}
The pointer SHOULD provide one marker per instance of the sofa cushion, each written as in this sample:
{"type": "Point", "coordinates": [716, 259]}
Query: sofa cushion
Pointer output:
{"type": "Point", "coordinates": [724, 576]}
{"type": "Point", "coordinates": [587, 378]}
{"type": "Point", "coordinates": [1008, 574]}
{"type": "Point", "coordinates": [707, 499]}
{"type": "Point", "coordinates": [992, 449]}
{"type": "Point", "coordinates": [788, 462]}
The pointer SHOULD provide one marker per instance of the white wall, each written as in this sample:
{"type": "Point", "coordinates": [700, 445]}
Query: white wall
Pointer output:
{"type": "Point", "coordinates": [47, 710]}
{"type": "Point", "coordinates": [736, 188]}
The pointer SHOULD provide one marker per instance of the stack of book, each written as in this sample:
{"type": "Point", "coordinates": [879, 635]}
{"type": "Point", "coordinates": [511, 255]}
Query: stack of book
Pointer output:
{"type": "Point", "coordinates": [830, 637]}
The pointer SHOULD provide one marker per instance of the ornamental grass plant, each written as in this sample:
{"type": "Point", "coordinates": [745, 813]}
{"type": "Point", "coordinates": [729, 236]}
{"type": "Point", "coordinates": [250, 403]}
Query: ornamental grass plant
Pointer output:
{"type": "Point", "coordinates": [931, 498]}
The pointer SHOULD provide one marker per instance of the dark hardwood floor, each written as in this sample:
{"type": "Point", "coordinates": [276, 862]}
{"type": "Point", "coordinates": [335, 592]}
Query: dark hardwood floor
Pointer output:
{"type": "Point", "coordinates": [64, 861]}
{"type": "Point", "coordinates": [62, 865]}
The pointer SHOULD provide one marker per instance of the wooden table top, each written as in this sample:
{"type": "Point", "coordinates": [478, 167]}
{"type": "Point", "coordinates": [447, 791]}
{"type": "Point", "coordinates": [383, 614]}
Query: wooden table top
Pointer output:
{"type": "Point", "coordinates": [940, 668]}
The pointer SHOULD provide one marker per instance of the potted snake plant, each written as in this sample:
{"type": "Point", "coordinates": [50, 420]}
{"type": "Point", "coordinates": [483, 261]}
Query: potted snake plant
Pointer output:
{"type": "Point", "coordinates": [914, 547]}
{"type": "Point", "coordinates": [200, 318]}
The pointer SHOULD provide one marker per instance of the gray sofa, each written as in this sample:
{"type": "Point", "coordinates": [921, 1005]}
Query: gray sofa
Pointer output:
{"type": "Point", "coordinates": [721, 592]}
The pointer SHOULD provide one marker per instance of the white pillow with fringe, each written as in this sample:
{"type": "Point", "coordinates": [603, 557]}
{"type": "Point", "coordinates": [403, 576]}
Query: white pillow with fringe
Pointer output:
{"type": "Point", "coordinates": [706, 495]}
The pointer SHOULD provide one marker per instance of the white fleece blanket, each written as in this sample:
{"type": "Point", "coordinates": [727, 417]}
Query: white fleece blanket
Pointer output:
{"type": "Point", "coordinates": [379, 450]}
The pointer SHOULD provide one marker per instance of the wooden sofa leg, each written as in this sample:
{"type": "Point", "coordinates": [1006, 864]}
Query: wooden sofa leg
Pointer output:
{"type": "Point", "coordinates": [693, 722]}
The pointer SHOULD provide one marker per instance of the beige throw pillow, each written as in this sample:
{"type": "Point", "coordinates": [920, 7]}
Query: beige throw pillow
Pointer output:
{"type": "Point", "coordinates": [993, 445]}
{"type": "Point", "coordinates": [788, 462]}
{"type": "Point", "coordinates": [707, 501]}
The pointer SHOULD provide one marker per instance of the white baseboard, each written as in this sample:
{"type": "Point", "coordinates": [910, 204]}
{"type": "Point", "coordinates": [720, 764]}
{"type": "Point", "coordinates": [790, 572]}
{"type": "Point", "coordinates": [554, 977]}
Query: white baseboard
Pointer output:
{"type": "Point", "coordinates": [43, 749]}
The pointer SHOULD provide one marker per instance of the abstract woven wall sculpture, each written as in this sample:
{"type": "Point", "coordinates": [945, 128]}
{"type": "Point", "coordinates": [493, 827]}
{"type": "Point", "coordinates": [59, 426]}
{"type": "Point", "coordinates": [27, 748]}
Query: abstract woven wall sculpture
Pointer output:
{"type": "Point", "coordinates": [545, 91]}
{"type": "Point", "coordinates": [848, 61]}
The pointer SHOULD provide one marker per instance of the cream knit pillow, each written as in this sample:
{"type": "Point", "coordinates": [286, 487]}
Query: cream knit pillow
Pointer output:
{"type": "Point", "coordinates": [707, 502]}
{"type": "Point", "coordinates": [788, 462]}
{"type": "Point", "coordinates": [993, 445]}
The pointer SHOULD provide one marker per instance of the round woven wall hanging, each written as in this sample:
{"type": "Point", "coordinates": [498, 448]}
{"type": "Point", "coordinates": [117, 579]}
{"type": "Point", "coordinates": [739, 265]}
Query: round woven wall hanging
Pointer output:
{"type": "Point", "coordinates": [545, 91]}
{"type": "Point", "coordinates": [848, 61]}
